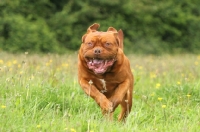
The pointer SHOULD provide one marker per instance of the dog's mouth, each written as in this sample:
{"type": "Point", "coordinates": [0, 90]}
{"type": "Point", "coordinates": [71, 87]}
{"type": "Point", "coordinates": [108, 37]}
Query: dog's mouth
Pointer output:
{"type": "Point", "coordinates": [99, 66]}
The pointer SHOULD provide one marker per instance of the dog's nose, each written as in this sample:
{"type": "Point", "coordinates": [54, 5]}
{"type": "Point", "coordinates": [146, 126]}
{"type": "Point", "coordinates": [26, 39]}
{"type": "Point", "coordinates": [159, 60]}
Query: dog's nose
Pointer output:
{"type": "Point", "coordinates": [97, 51]}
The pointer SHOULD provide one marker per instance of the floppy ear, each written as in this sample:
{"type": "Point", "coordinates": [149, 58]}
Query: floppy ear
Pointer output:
{"type": "Point", "coordinates": [91, 28]}
{"type": "Point", "coordinates": [121, 39]}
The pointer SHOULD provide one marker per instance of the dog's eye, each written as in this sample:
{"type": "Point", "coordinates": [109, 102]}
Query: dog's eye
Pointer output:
{"type": "Point", "coordinates": [107, 44]}
{"type": "Point", "coordinates": [89, 43]}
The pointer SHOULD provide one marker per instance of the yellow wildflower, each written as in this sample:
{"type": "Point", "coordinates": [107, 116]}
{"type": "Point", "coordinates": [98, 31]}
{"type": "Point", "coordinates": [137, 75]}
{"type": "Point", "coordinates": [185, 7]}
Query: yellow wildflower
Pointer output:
{"type": "Point", "coordinates": [9, 63]}
{"type": "Point", "coordinates": [3, 106]}
{"type": "Point", "coordinates": [19, 66]}
{"type": "Point", "coordinates": [64, 65]}
{"type": "Point", "coordinates": [47, 64]}
{"type": "Point", "coordinates": [179, 83]}
{"type": "Point", "coordinates": [158, 85]}
{"type": "Point", "coordinates": [153, 75]}
{"type": "Point", "coordinates": [188, 95]}
{"type": "Point", "coordinates": [1, 61]}
{"type": "Point", "coordinates": [164, 106]}
{"type": "Point", "coordinates": [160, 99]}
{"type": "Point", "coordinates": [198, 57]}
{"type": "Point", "coordinates": [182, 75]}
{"type": "Point", "coordinates": [140, 67]}
{"type": "Point", "coordinates": [14, 62]}
{"type": "Point", "coordinates": [38, 126]}
{"type": "Point", "coordinates": [73, 130]}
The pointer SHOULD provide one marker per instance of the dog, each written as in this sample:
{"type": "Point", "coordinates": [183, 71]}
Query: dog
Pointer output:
{"type": "Point", "coordinates": [104, 71]}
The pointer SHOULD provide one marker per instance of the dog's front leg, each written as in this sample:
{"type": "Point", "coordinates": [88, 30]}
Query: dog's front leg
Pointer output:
{"type": "Point", "coordinates": [120, 92]}
{"type": "Point", "coordinates": [93, 92]}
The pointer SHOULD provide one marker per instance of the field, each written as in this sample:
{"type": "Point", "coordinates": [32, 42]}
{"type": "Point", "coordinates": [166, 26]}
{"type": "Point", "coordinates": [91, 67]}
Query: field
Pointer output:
{"type": "Point", "coordinates": [41, 93]}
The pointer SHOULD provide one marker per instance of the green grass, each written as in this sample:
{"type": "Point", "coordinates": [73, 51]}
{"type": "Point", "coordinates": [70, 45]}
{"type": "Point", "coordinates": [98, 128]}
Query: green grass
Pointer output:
{"type": "Point", "coordinates": [41, 93]}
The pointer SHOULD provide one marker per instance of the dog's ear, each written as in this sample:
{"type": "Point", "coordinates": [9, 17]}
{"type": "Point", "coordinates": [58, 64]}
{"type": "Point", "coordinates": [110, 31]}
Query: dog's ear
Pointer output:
{"type": "Point", "coordinates": [118, 35]}
{"type": "Point", "coordinates": [112, 29]}
{"type": "Point", "coordinates": [121, 39]}
{"type": "Point", "coordinates": [83, 37]}
{"type": "Point", "coordinates": [93, 27]}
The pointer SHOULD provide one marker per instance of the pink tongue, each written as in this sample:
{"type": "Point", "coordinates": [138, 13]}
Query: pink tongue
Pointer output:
{"type": "Point", "coordinates": [98, 63]}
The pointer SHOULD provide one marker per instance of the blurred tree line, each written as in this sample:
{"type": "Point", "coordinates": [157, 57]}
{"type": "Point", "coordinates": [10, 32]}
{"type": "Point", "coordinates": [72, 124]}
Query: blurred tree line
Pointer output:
{"type": "Point", "coordinates": [150, 26]}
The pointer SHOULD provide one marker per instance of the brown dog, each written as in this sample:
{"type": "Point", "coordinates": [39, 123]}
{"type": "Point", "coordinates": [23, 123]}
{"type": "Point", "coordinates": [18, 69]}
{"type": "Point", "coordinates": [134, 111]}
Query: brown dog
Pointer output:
{"type": "Point", "coordinates": [104, 71]}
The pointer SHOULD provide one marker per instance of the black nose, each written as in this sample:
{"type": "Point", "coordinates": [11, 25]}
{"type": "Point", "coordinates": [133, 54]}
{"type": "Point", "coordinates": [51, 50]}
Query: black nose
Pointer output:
{"type": "Point", "coordinates": [97, 51]}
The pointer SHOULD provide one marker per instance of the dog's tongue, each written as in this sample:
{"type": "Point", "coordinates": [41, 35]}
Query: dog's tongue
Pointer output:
{"type": "Point", "coordinates": [98, 63]}
{"type": "Point", "coordinates": [99, 66]}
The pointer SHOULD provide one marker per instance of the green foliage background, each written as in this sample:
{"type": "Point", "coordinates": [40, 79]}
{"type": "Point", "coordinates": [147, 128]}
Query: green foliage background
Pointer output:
{"type": "Point", "coordinates": [150, 26]}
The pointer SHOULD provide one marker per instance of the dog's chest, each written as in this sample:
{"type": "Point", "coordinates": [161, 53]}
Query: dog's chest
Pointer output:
{"type": "Point", "coordinates": [103, 85]}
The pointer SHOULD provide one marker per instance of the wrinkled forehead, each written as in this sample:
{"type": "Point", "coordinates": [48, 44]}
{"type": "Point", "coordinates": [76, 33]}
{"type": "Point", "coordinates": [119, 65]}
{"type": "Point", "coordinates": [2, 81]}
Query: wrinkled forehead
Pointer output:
{"type": "Point", "coordinates": [103, 36]}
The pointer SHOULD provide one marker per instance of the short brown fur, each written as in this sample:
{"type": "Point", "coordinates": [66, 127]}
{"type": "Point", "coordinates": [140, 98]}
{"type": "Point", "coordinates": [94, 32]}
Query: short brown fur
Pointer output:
{"type": "Point", "coordinates": [112, 85]}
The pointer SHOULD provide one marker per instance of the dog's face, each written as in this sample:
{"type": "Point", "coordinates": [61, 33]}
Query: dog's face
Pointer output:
{"type": "Point", "coordinates": [99, 49]}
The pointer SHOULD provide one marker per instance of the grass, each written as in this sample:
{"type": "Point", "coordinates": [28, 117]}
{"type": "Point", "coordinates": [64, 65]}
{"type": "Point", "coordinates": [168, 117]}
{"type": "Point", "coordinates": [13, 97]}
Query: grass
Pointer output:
{"type": "Point", "coordinates": [41, 93]}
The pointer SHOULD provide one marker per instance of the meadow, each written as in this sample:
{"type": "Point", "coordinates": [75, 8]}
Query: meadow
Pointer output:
{"type": "Point", "coordinates": [41, 93]}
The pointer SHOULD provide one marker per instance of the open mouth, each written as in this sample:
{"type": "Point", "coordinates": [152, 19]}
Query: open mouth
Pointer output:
{"type": "Point", "coordinates": [99, 66]}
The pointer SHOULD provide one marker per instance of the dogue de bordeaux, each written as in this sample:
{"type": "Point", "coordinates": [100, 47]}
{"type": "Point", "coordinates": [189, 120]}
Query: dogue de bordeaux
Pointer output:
{"type": "Point", "coordinates": [104, 71]}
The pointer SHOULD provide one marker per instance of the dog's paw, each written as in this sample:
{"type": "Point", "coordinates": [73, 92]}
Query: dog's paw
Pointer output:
{"type": "Point", "coordinates": [106, 106]}
{"type": "Point", "coordinates": [115, 101]}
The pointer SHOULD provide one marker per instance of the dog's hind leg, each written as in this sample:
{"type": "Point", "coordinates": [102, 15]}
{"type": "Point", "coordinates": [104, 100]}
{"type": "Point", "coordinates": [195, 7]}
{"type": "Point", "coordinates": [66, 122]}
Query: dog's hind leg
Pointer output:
{"type": "Point", "coordinates": [126, 105]}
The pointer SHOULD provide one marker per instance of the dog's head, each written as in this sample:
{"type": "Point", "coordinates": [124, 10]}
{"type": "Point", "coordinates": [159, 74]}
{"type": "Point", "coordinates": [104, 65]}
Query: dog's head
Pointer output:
{"type": "Point", "coordinates": [99, 49]}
